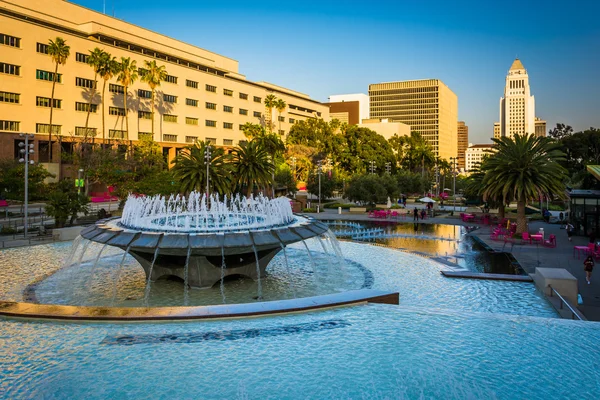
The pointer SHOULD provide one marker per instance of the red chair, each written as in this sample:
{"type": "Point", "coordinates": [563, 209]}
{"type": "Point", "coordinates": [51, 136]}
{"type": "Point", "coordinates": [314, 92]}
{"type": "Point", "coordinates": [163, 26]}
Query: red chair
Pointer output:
{"type": "Point", "coordinates": [526, 237]}
{"type": "Point", "coordinates": [551, 242]}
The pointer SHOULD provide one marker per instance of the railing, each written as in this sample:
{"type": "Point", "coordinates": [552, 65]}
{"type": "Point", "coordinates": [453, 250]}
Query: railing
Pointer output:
{"type": "Point", "coordinates": [574, 314]}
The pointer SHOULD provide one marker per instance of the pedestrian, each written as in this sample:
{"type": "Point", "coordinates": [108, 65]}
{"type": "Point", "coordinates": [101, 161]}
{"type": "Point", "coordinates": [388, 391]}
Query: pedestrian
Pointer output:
{"type": "Point", "coordinates": [588, 267]}
{"type": "Point", "coordinates": [561, 216]}
{"type": "Point", "coordinates": [423, 214]}
{"type": "Point", "coordinates": [570, 228]}
{"type": "Point", "coordinates": [592, 236]}
{"type": "Point", "coordinates": [415, 214]}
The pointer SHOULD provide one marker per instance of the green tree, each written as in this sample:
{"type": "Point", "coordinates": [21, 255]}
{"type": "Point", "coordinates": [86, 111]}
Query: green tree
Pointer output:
{"type": "Point", "coordinates": [190, 169]}
{"type": "Point", "coordinates": [153, 75]}
{"type": "Point", "coordinates": [359, 147]}
{"type": "Point", "coordinates": [12, 178]}
{"type": "Point", "coordinates": [372, 189]}
{"type": "Point", "coordinates": [128, 74]}
{"type": "Point", "coordinates": [284, 179]}
{"type": "Point", "coordinates": [582, 149]}
{"type": "Point", "coordinates": [107, 69]}
{"type": "Point", "coordinates": [524, 168]}
{"type": "Point", "coordinates": [280, 105]}
{"type": "Point", "coordinates": [64, 203]}
{"type": "Point", "coordinates": [414, 152]}
{"type": "Point", "coordinates": [252, 166]}
{"type": "Point", "coordinates": [329, 184]}
{"type": "Point", "coordinates": [270, 102]}
{"type": "Point", "coordinates": [410, 182]}
{"type": "Point", "coordinates": [561, 131]}
{"type": "Point", "coordinates": [95, 60]}
{"type": "Point", "coordinates": [59, 52]}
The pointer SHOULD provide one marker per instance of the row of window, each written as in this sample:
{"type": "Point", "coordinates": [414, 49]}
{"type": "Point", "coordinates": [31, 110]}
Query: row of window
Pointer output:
{"type": "Point", "coordinates": [116, 133]}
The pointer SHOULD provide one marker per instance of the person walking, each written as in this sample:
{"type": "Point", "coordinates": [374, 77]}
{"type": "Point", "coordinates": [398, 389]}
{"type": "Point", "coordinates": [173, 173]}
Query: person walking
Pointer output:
{"type": "Point", "coordinates": [588, 267]}
{"type": "Point", "coordinates": [415, 214]}
{"type": "Point", "coordinates": [570, 229]}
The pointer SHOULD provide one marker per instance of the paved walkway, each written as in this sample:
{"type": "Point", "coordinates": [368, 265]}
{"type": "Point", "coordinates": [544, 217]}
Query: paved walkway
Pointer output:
{"type": "Point", "coordinates": [528, 256]}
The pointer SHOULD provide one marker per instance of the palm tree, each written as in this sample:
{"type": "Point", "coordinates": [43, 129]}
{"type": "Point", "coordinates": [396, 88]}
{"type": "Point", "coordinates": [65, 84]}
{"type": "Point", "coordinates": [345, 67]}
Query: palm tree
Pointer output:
{"type": "Point", "coordinates": [95, 61]}
{"type": "Point", "coordinates": [270, 101]}
{"type": "Point", "coordinates": [252, 165]}
{"type": "Point", "coordinates": [280, 105]}
{"type": "Point", "coordinates": [128, 74]}
{"type": "Point", "coordinates": [59, 52]}
{"type": "Point", "coordinates": [153, 74]}
{"type": "Point", "coordinates": [107, 69]}
{"type": "Point", "coordinates": [190, 169]}
{"type": "Point", "coordinates": [524, 168]}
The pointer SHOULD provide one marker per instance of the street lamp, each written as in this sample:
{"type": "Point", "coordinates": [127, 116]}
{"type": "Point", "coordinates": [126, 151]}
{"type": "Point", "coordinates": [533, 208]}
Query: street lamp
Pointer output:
{"type": "Point", "coordinates": [26, 151]}
{"type": "Point", "coordinates": [79, 181]}
{"type": "Point", "coordinates": [319, 171]}
{"type": "Point", "coordinates": [388, 168]}
{"type": "Point", "coordinates": [207, 158]}
{"type": "Point", "coordinates": [453, 163]}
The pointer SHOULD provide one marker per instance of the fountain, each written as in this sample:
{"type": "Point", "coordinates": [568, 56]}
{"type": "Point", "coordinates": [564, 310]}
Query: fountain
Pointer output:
{"type": "Point", "coordinates": [204, 239]}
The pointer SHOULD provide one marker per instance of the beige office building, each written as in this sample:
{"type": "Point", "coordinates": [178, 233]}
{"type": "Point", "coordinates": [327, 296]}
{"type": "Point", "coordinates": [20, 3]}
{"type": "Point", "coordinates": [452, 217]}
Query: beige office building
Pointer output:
{"type": "Point", "coordinates": [463, 143]}
{"type": "Point", "coordinates": [497, 130]}
{"type": "Point", "coordinates": [540, 127]}
{"type": "Point", "coordinates": [475, 153]}
{"type": "Point", "coordinates": [204, 97]}
{"type": "Point", "coordinates": [428, 106]}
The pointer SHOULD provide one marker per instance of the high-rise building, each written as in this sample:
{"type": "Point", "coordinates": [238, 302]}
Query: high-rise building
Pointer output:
{"type": "Point", "coordinates": [497, 130]}
{"type": "Point", "coordinates": [349, 108]}
{"type": "Point", "coordinates": [540, 127]}
{"type": "Point", "coordinates": [517, 107]}
{"type": "Point", "coordinates": [204, 97]}
{"type": "Point", "coordinates": [463, 143]}
{"type": "Point", "coordinates": [427, 105]}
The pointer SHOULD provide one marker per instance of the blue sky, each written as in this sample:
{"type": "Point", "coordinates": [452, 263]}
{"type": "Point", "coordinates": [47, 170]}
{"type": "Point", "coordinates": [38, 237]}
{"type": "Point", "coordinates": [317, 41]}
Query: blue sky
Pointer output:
{"type": "Point", "coordinates": [336, 47]}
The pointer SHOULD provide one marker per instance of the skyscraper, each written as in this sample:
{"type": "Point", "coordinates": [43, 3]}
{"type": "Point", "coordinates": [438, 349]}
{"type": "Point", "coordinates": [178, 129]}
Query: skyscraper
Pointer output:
{"type": "Point", "coordinates": [517, 107]}
{"type": "Point", "coordinates": [463, 143]}
{"type": "Point", "coordinates": [427, 105]}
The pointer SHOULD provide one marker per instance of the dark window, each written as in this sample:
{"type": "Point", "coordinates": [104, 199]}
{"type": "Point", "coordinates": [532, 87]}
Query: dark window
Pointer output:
{"type": "Point", "coordinates": [227, 125]}
{"type": "Point", "coordinates": [228, 109]}
{"type": "Point", "coordinates": [211, 123]}
{"type": "Point", "coordinates": [243, 112]}
{"type": "Point", "coordinates": [86, 83]}
{"type": "Point", "coordinates": [82, 58]}
{"type": "Point", "coordinates": [116, 111]}
{"type": "Point", "coordinates": [191, 102]}
{"type": "Point", "coordinates": [41, 48]}
{"type": "Point", "coordinates": [243, 96]}
{"type": "Point", "coordinates": [211, 106]}
{"type": "Point", "coordinates": [47, 76]}
{"type": "Point", "coordinates": [192, 84]}
{"type": "Point", "coordinates": [169, 98]}
{"type": "Point", "coordinates": [171, 79]}
{"type": "Point", "coordinates": [228, 92]}
{"type": "Point", "coordinates": [116, 88]}
{"type": "Point", "coordinates": [7, 97]}
{"type": "Point", "coordinates": [10, 40]}
{"type": "Point", "coordinates": [210, 88]}
{"type": "Point", "coordinates": [10, 69]}
{"type": "Point", "coordinates": [257, 99]}
{"type": "Point", "coordinates": [145, 94]}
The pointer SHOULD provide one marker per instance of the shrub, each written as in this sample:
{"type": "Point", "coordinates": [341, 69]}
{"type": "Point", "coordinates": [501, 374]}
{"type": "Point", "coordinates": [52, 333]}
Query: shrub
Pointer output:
{"type": "Point", "coordinates": [310, 210]}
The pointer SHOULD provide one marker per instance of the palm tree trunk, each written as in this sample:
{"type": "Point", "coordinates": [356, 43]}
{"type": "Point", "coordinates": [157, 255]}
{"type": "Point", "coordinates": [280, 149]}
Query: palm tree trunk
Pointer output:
{"type": "Point", "coordinates": [249, 189]}
{"type": "Point", "coordinates": [103, 92]}
{"type": "Point", "coordinates": [51, 110]}
{"type": "Point", "coordinates": [152, 114]}
{"type": "Point", "coordinates": [126, 114]}
{"type": "Point", "coordinates": [501, 212]}
{"type": "Point", "coordinates": [87, 118]}
{"type": "Point", "coordinates": [521, 220]}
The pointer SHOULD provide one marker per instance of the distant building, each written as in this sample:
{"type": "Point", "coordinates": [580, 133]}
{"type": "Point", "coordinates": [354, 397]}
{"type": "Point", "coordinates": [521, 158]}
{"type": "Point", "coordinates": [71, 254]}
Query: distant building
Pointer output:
{"type": "Point", "coordinates": [474, 154]}
{"type": "Point", "coordinates": [517, 107]}
{"type": "Point", "coordinates": [540, 127]}
{"type": "Point", "coordinates": [428, 106]}
{"type": "Point", "coordinates": [349, 108]}
{"type": "Point", "coordinates": [463, 143]}
{"type": "Point", "coordinates": [385, 128]}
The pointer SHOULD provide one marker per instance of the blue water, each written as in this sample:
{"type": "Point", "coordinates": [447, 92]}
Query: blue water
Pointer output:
{"type": "Point", "coordinates": [364, 352]}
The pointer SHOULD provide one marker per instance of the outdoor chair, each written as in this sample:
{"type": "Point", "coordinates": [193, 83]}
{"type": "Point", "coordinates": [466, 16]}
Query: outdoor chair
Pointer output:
{"type": "Point", "coordinates": [550, 242]}
{"type": "Point", "coordinates": [526, 237]}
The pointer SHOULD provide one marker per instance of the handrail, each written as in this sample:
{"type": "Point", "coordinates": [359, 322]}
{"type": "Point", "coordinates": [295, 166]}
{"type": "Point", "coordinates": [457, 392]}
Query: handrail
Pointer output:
{"type": "Point", "coordinates": [563, 301]}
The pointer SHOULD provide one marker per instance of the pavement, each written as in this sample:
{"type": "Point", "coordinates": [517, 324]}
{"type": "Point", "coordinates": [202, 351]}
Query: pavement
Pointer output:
{"type": "Point", "coordinates": [528, 256]}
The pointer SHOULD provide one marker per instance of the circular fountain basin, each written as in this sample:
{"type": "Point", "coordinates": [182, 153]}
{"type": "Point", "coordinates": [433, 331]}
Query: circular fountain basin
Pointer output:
{"type": "Point", "coordinates": [203, 259]}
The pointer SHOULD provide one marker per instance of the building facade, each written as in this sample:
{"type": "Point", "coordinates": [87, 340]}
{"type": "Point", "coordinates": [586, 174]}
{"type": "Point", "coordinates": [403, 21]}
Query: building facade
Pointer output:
{"type": "Point", "coordinates": [497, 130]}
{"type": "Point", "coordinates": [475, 153]}
{"type": "Point", "coordinates": [428, 106]}
{"type": "Point", "coordinates": [204, 97]}
{"type": "Point", "coordinates": [540, 127]}
{"type": "Point", "coordinates": [517, 107]}
{"type": "Point", "coordinates": [463, 143]}
{"type": "Point", "coordinates": [349, 108]}
{"type": "Point", "coordinates": [386, 128]}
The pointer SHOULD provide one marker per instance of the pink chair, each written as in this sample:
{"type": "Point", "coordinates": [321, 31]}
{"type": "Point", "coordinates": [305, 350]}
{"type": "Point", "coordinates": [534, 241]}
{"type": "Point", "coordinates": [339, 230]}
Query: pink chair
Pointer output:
{"type": "Point", "coordinates": [526, 237]}
{"type": "Point", "coordinates": [591, 248]}
{"type": "Point", "coordinates": [551, 242]}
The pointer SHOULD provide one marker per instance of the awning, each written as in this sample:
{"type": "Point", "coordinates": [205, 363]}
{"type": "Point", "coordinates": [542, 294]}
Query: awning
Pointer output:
{"type": "Point", "coordinates": [594, 170]}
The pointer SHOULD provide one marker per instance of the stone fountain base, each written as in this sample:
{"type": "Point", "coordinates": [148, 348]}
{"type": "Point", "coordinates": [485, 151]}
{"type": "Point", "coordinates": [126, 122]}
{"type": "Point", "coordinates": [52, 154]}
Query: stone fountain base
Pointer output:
{"type": "Point", "coordinates": [240, 250]}
{"type": "Point", "coordinates": [205, 271]}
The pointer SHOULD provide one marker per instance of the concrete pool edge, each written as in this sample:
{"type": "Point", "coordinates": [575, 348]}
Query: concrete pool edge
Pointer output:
{"type": "Point", "coordinates": [33, 311]}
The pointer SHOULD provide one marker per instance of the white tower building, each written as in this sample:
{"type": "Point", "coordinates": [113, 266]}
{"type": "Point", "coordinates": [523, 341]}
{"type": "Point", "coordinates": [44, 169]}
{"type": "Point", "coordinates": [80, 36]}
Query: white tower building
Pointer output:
{"type": "Point", "coordinates": [517, 107]}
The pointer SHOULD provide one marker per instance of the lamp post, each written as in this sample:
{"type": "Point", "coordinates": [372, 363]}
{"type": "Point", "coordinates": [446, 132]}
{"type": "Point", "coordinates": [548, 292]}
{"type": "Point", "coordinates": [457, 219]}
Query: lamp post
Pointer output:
{"type": "Point", "coordinates": [26, 151]}
{"type": "Point", "coordinates": [372, 166]}
{"type": "Point", "coordinates": [388, 168]}
{"type": "Point", "coordinates": [207, 157]}
{"type": "Point", "coordinates": [453, 163]}
{"type": "Point", "coordinates": [294, 173]}
{"type": "Point", "coordinates": [319, 171]}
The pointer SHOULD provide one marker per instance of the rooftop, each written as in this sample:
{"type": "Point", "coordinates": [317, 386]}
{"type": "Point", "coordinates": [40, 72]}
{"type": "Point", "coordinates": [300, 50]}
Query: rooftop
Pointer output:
{"type": "Point", "coordinates": [517, 64]}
